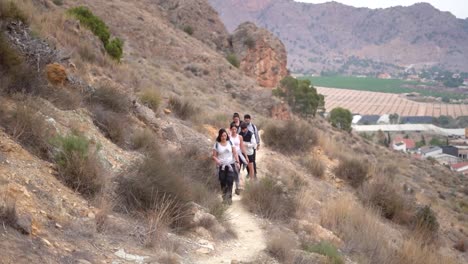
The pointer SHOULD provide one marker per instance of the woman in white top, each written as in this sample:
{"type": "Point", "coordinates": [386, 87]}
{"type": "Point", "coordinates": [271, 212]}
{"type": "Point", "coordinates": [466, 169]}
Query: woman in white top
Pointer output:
{"type": "Point", "coordinates": [227, 162]}
{"type": "Point", "coordinates": [238, 143]}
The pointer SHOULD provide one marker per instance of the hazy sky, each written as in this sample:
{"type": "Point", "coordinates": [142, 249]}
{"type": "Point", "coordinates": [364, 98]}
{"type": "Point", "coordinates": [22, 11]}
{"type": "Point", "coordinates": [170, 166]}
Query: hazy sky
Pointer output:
{"type": "Point", "coordinates": [457, 7]}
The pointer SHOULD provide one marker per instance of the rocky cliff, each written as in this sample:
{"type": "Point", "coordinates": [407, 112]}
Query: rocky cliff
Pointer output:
{"type": "Point", "coordinates": [199, 19]}
{"type": "Point", "coordinates": [336, 37]}
{"type": "Point", "coordinates": [263, 56]}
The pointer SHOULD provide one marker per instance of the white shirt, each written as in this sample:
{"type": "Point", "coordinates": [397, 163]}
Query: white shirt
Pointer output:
{"type": "Point", "coordinates": [224, 153]}
{"type": "Point", "coordinates": [236, 143]}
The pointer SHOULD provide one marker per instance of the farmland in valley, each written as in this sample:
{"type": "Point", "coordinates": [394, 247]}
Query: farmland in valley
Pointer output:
{"type": "Point", "coordinates": [385, 86]}
{"type": "Point", "coordinates": [377, 103]}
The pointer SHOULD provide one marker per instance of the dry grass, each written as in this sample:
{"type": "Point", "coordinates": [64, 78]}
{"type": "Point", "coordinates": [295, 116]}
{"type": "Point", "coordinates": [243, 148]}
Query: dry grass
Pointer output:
{"type": "Point", "coordinates": [8, 216]}
{"type": "Point", "coordinates": [290, 136]}
{"type": "Point", "coordinates": [25, 124]}
{"type": "Point", "coordinates": [367, 239]}
{"type": "Point", "coordinates": [111, 98]}
{"type": "Point", "coordinates": [313, 165]}
{"type": "Point", "coordinates": [267, 198]}
{"type": "Point", "coordinates": [165, 212]}
{"type": "Point", "coordinates": [184, 109]}
{"type": "Point", "coordinates": [387, 197]}
{"type": "Point", "coordinates": [280, 245]}
{"type": "Point", "coordinates": [113, 125]}
{"type": "Point", "coordinates": [329, 144]}
{"type": "Point", "coordinates": [144, 140]}
{"type": "Point", "coordinates": [151, 98]}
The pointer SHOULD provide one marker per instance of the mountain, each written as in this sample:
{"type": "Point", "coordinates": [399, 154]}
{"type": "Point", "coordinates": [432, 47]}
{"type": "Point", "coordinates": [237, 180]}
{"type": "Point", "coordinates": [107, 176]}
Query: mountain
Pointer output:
{"type": "Point", "coordinates": [336, 37]}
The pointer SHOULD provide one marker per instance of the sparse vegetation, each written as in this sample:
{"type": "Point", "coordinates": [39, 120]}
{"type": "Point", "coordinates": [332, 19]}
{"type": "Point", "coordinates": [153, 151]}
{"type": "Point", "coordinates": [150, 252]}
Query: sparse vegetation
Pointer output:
{"type": "Point", "coordinates": [266, 198]}
{"type": "Point", "coordinates": [144, 140]}
{"type": "Point", "coordinates": [111, 124]}
{"type": "Point", "coordinates": [232, 58]}
{"type": "Point", "coordinates": [290, 136]}
{"type": "Point", "coordinates": [79, 165]}
{"type": "Point", "coordinates": [8, 215]}
{"type": "Point", "coordinates": [353, 170]}
{"type": "Point", "coordinates": [426, 222]}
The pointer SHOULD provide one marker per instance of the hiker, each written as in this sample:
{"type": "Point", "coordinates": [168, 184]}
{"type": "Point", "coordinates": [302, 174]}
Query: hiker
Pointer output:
{"type": "Point", "coordinates": [252, 128]}
{"type": "Point", "coordinates": [227, 163]}
{"type": "Point", "coordinates": [250, 144]}
{"type": "Point", "coordinates": [236, 121]}
{"type": "Point", "coordinates": [238, 142]}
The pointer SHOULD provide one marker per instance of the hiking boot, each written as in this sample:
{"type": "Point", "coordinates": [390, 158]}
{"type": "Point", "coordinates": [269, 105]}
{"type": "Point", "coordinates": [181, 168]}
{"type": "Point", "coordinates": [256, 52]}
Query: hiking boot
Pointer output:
{"type": "Point", "coordinates": [237, 191]}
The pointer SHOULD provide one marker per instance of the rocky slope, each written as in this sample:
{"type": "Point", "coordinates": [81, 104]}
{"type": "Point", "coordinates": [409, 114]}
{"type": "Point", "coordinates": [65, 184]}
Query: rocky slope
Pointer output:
{"type": "Point", "coordinates": [55, 223]}
{"type": "Point", "coordinates": [336, 37]}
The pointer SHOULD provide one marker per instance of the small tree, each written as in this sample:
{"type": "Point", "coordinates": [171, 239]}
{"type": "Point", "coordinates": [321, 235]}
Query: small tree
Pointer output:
{"type": "Point", "coordinates": [341, 118]}
{"type": "Point", "coordinates": [301, 96]}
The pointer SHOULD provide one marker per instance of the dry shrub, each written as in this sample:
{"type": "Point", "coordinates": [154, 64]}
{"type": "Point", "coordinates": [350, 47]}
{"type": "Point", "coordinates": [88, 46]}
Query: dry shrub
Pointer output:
{"type": "Point", "coordinates": [144, 140]}
{"type": "Point", "coordinates": [111, 98]}
{"type": "Point", "coordinates": [384, 195]}
{"type": "Point", "coordinates": [329, 144]}
{"type": "Point", "coordinates": [266, 198]}
{"type": "Point", "coordinates": [169, 258]}
{"type": "Point", "coordinates": [56, 74]}
{"type": "Point", "coordinates": [151, 98]}
{"type": "Point", "coordinates": [313, 165]}
{"type": "Point", "coordinates": [280, 245]}
{"type": "Point", "coordinates": [304, 201]}
{"type": "Point", "coordinates": [360, 228]}
{"type": "Point", "coordinates": [353, 170]}
{"type": "Point", "coordinates": [149, 181]}
{"type": "Point", "coordinates": [79, 165]}
{"type": "Point", "coordinates": [8, 215]}
{"type": "Point", "coordinates": [425, 224]}
{"type": "Point", "coordinates": [113, 125]}
{"type": "Point", "coordinates": [461, 245]}
{"type": "Point", "coordinates": [105, 205]}
{"type": "Point", "coordinates": [25, 124]}
{"type": "Point", "coordinates": [62, 98]}
{"type": "Point", "coordinates": [165, 212]}
{"type": "Point", "coordinates": [290, 136]}
{"type": "Point", "coordinates": [183, 109]}
{"type": "Point", "coordinates": [414, 251]}
{"type": "Point", "coordinates": [327, 249]}
{"type": "Point", "coordinates": [218, 120]}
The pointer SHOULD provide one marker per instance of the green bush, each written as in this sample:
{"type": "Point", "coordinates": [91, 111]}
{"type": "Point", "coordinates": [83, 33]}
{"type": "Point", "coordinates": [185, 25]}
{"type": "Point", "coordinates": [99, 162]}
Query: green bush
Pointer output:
{"type": "Point", "coordinates": [115, 48]}
{"type": "Point", "coordinates": [353, 170]}
{"type": "Point", "coordinates": [301, 96]}
{"type": "Point", "coordinates": [326, 249]}
{"type": "Point", "coordinates": [341, 118]}
{"type": "Point", "coordinates": [78, 164]}
{"type": "Point", "coordinates": [290, 136]}
{"type": "Point", "coordinates": [232, 58]}
{"type": "Point", "coordinates": [188, 30]}
{"type": "Point", "coordinates": [426, 221]}
{"type": "Point", "coordinates": [94, 23]}
{"type": "Point", "coordinates": [10, 11]}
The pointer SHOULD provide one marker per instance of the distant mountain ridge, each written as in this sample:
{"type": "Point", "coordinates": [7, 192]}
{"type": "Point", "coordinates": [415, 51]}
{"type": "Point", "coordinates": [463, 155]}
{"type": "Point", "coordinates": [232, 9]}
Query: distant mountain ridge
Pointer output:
{"type": "Point", "coordinates": [349, 40]}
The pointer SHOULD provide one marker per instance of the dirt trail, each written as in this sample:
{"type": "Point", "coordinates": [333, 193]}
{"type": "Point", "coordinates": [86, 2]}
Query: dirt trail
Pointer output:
{"type": "Point", "coordinates": [251, 237]}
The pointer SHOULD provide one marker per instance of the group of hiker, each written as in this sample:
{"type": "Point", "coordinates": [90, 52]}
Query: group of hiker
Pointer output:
{"type": "Point", "coordinates": [233, 150]}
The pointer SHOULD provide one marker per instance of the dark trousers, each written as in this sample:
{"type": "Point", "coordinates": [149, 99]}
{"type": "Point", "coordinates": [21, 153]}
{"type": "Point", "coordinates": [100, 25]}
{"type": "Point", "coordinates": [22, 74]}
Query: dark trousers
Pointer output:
{"type": "Point", "coordinates": [226, 179]}
{"type": "Point", "coordinates": [253, 160]}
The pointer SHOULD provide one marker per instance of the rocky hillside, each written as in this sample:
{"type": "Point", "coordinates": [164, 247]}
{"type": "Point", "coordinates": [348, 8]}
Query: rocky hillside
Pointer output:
{"type": "Point", "coordinates": [336, 37]}
{"type": "Point", "coordinates": [106, 159]}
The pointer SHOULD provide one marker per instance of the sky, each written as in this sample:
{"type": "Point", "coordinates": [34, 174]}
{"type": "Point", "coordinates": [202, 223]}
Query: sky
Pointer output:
{"type": "Point", "coordinates": [459, 8]}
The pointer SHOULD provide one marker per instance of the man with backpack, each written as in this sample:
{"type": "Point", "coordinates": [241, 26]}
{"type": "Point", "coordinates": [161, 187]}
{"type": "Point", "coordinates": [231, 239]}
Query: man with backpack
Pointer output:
{"type": "Point", "coordinates": [252, 128]}
{"type": "Point", "coordinates": [250, 144]}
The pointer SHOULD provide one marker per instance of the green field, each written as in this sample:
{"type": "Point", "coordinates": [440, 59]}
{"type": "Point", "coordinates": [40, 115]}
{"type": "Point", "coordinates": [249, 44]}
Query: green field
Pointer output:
{"type": "Point", "coordinates": [376, 85]}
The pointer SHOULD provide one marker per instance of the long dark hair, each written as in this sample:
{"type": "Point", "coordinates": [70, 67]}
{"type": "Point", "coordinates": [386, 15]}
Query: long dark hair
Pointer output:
{"type": "Point", "coordinates": [221, 131]}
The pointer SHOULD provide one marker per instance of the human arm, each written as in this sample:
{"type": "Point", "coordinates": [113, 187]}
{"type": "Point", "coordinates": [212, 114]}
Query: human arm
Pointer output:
{"type": "Point", "coordinates": [215, 157]}
{"type": "Point", "coordinates": [243, 149]}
